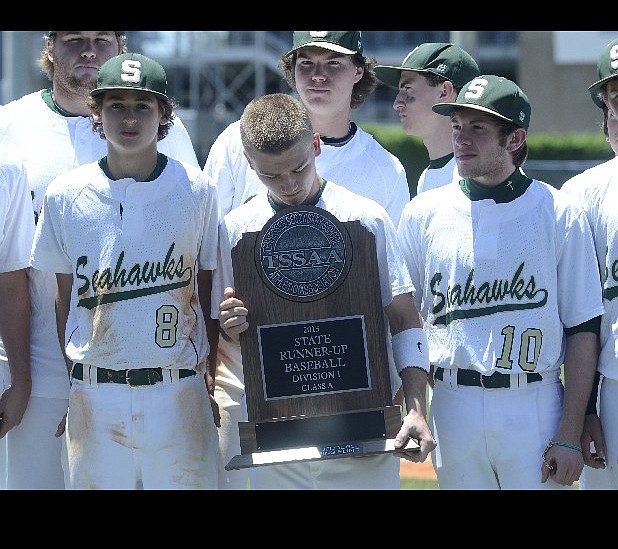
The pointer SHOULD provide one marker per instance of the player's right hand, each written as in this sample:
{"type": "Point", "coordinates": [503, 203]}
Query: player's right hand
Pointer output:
{"type": "Point", "coordinates": [562, 465]}
{"type": "Point", "coordinates": [13, 403]}
{"type": "Point", "coordinates": [232, 315]}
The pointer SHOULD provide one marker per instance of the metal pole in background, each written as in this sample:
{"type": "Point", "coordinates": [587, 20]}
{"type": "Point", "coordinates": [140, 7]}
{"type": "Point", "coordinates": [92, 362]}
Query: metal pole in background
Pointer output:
{"type": "Point", "coordinates": [466, 40]}
{"type": "Point", "coordinates": [16, 62]}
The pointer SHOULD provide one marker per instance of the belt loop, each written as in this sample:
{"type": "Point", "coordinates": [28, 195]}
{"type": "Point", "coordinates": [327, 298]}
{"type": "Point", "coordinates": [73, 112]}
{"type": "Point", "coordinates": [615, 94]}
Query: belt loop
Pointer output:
{"type": "Point", "coordinates": [169, 375]}
{"type": "Point", "coordinates": [86, 374]}
{"type": "Point", "coordinates": [166, 376]}
{"type": "Point", "coordinates": [93, 378]}
{"type": "Point", "coordinates": [89, 374]}
{"type": "Point", "coordinates": [450, 377]}
{"type": "Point", "coordinates": [518, 380]}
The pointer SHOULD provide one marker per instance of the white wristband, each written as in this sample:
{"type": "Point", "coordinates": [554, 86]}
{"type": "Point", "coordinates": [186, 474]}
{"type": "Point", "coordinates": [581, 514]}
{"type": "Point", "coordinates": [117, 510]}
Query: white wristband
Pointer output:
{"type": "Point", "coordinates": [410, 349]}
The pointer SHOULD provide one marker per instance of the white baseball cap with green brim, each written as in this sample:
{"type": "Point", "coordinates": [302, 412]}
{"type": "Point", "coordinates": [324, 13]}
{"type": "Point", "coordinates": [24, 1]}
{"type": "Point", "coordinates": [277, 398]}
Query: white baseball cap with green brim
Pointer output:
{"type": "Point", "coordinates": [132, 71]}
{"type": "Point", "coordinates": [347, 42]}
{"type": "Point", "coordinates": [607, 69]}
{"type": "Point", "coordinates": [494, 95]}
{"type": "Point", "coordinates": [439, 58]}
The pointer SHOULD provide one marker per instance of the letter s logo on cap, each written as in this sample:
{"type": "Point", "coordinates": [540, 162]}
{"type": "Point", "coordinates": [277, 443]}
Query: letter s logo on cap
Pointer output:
{"type": "Point", "coordinates": [613, 57]}
{"type": "Point", "coordinates": [476, 88]}
{"type": "Point", "coordinates": [131, 71]}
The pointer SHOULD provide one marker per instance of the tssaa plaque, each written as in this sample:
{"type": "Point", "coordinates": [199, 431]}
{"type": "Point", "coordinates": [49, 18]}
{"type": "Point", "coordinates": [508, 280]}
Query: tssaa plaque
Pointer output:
{"type": "Point", "coordinates": [315, 354]}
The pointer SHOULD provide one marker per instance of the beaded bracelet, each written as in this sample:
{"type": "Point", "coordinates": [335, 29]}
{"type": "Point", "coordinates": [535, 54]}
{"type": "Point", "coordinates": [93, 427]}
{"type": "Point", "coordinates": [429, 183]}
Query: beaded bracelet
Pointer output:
{"type": "Point", "coordinates": [564, 444]}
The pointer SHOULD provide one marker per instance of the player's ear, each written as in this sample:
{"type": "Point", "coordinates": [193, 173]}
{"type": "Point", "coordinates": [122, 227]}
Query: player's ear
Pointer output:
{"type": "Point", "coordinates": [248, 160]}
{"type": "Point", "coordinates": [517, 139]}
{"type": "Point", "coordinates": [448, 92]}
{"type": "Point", "coordinates": [49, 48]}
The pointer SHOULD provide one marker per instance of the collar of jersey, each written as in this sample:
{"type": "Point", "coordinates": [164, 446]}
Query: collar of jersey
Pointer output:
{"type": "Point", "coordinates": [48, 98]}
{"type": "Point", "coordinates": [507, 191]}
{"type": "Point", "coordinates": [438, 163]}
{"type": "Point", "coordinates": [161, 163]}
{"type": "Point", "coordinates": [313, 202]}
{"type": "Point", "coordinates": [340, 141]}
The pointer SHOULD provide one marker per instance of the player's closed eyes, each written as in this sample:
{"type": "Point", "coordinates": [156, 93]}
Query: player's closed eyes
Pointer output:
{"type": "Point", "coordinates": [295, 172]}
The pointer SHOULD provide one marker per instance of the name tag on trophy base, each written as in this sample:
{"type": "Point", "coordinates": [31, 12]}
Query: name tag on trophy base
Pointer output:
{"type": "Point", "coordinates": [314, 357]}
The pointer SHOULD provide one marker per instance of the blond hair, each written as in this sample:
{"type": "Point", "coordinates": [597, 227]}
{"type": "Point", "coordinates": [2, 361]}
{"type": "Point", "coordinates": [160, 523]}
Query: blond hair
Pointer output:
{"type": "Point", "coordinates": [273, 123]}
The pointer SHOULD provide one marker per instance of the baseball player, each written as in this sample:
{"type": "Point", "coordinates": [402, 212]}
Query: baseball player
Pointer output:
{"type": "Point", "coordinates": [127, 236]}
{"type": "Point", "coordinates": [16, 230]}
{"type": "Point", "coordinates": [281, 147]}
{"type": "Point", "coordinates": [51, 130]}
{"type": "Point", "coordinates": [507, 285]}
{"type": "Point", "coordinates": [332, 76]}
{"type": "Point", "coordinates": [595, 190]}
{"type": "Point", "coordinates": [433, 72]}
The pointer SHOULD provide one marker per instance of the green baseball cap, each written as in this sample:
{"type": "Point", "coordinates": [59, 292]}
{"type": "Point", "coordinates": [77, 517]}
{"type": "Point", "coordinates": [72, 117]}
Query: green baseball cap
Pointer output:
{"type": "Point", "coordinates": [132, 71]}
{"type": "Point", "coordinates": [607, 68]}
{"type": "Point", "coordinates": [440, 58]}
{"type": "Point", "coordinates": [348, 42]}
{"type": "Point", "coordinates": [492, 94]}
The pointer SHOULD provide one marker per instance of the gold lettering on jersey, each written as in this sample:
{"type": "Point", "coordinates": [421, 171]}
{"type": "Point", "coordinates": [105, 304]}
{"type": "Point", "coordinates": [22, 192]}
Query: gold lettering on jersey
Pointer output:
{"type": "Point", "coordinates": [447, 306]}
{"type": "Point", "coordinates": [106, 280]}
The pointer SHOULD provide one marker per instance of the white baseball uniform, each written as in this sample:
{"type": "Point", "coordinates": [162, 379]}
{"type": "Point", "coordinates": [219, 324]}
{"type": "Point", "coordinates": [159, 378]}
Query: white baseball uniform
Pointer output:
{"type": "Point", "coordinates": [134, 249]}
{"type": "Point", "coordinates": [361, 165]}
{"type": "Point", "coordinates": [439, 172]}
{"type": "Point", "coordinates": [50, 143]}
{"type": "Point", "coordinates": [17, 221]}
{"type": "Point", "coordinates": [373, 472]}
{"type": "Point", "coordinates": [16, 232]}
{"type": "Point", "coordinates": [497, 283]}
{"type": "Point", "coordinates": [595, 189]}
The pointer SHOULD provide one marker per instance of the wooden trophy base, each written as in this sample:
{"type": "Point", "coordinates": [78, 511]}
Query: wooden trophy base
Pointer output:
{"type": "Point", "coordinates": [310, 438]}
{"type": "Point", "coordinates": [315, 354]}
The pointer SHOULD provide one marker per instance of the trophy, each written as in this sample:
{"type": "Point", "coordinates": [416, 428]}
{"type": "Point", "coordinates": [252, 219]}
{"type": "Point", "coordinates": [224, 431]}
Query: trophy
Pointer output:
{"type": "Point", "coordinates": [315, 356]}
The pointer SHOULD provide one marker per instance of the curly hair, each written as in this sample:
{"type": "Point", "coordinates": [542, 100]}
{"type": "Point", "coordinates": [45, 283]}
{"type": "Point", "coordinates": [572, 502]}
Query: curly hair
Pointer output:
{"type": "Point", "coordinates": [605, 117]}
{"type": "Point", "coordinates": [50, 39]}
{"type": "Point", "coordinates": [361, 90]}
{"type": "Point", "coordinates": [95, 104]}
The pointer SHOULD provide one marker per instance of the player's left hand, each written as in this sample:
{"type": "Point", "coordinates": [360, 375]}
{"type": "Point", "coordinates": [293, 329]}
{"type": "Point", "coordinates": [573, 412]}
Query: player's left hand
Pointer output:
{"type": "Point", "coordinates": [415, 427]}
{"type": "Point", "coordinates": [593, 435]}
{"type": "Point", "coordinates": [562, 465]}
